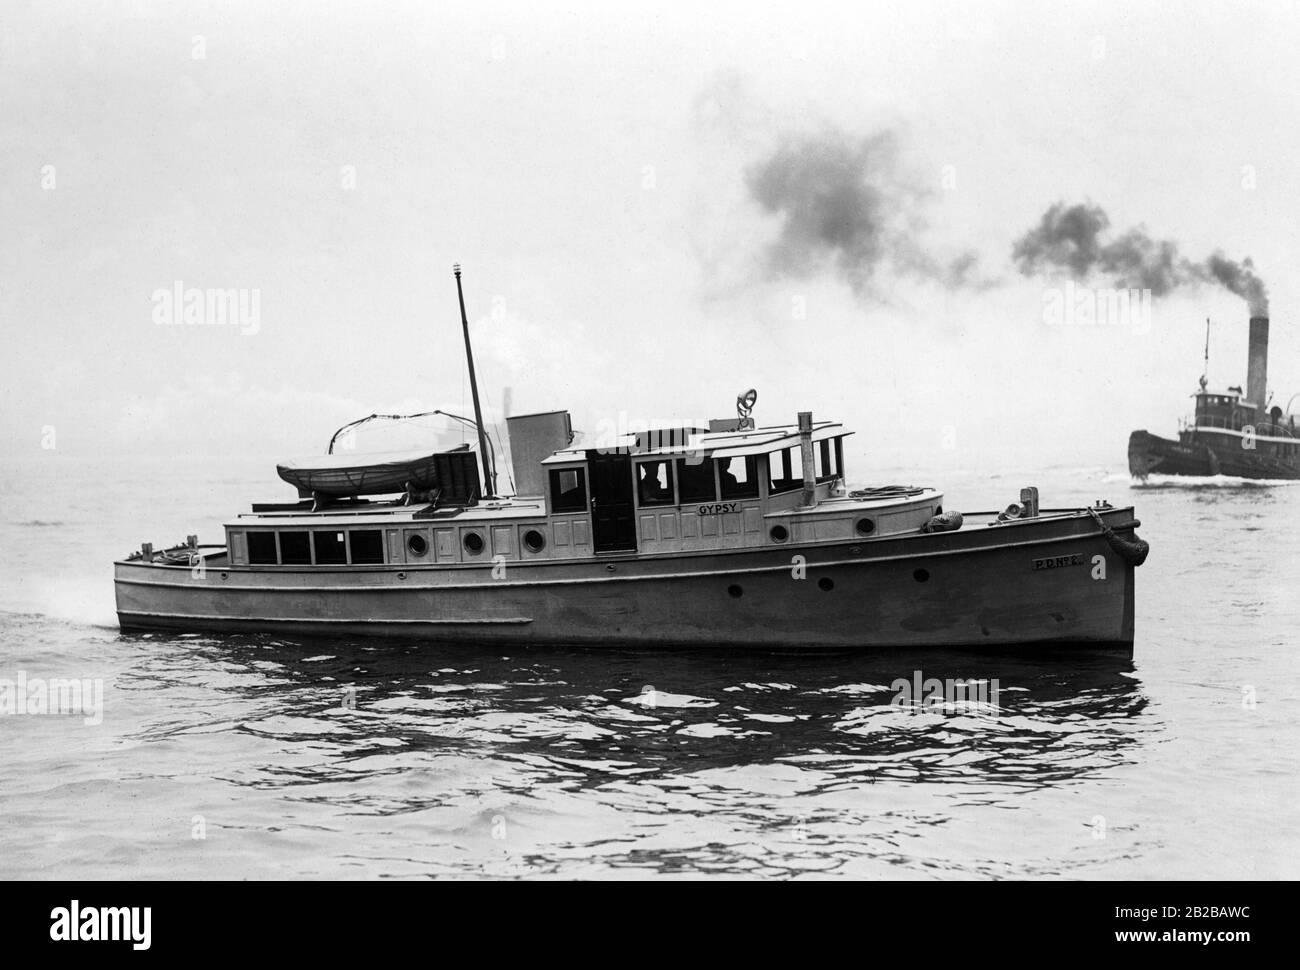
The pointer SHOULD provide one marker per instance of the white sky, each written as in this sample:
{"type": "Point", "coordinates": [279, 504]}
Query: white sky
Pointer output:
{"type": "Point", "coordinates": [585, 162]}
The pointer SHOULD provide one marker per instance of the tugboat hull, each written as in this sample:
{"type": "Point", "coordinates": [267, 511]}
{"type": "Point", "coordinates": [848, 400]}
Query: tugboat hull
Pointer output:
{"type": "Point", "coordinates": [1042, 581]}
{"type": "Point", "coordinates": [1149, 454]}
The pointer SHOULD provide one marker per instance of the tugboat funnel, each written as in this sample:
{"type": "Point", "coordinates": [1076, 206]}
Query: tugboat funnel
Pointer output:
{"type": "Point", "coordinates": [1257, 363]}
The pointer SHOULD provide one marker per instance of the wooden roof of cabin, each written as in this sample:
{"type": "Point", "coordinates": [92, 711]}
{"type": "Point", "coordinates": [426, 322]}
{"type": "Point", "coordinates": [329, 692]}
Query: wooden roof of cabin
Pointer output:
{"type": "Point", "coordinates": [710, 444]}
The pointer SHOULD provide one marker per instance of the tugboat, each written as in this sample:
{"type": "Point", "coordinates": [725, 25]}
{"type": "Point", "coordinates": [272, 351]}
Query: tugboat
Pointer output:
{"type": "Point", "coordinates": [730, 535]}
{"type": "Point", "coordinates": [1229, 433]}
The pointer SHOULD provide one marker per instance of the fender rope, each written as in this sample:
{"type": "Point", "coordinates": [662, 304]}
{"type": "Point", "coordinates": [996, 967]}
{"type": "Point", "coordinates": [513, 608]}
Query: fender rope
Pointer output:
{"type": "Point", "coordinates": [1133, 551]}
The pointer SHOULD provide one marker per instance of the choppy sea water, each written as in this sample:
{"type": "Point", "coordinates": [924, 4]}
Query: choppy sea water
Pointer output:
{"type": "Point", "coordinates": [238, 757]}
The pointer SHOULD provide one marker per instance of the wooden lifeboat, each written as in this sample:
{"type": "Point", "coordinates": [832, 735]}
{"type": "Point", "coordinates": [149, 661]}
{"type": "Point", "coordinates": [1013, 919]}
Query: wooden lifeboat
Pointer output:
{"type": "Point", "coordinates": [383, 473]}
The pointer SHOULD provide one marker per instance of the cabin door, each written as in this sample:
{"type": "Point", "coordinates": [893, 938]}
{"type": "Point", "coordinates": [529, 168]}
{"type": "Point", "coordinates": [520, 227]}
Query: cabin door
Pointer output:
{"type": "Point", "coordinates": [613, 519]}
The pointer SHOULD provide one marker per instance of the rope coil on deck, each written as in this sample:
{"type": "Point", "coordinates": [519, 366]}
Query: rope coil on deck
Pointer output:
{"type": "Point", "coordinates": [886, 491]}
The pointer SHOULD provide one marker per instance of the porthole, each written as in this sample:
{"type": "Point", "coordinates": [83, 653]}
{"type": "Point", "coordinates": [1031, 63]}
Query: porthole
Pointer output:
{"type": "Point", "coordinates": [826, 584]}
{"type": "Point", "coordinates": [534, 541]}
{"type": "Point", "coordinates": [417, 545]}
{"type": "Point", "coordinates": [473, 543]}
{"type": "Point", "coordinates": [921, 575]}
{"type": "Point", "coordinates": [779, 533]}
{"type": "Point", "coordinates": [865, 527]}
{"type": "Point", "coordinates": [735, 592]}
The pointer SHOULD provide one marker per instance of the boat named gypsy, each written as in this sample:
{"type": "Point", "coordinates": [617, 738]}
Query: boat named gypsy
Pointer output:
{"type": "Point", "coordinates": [733, 536]}
{"type": "Point", "coordinates": [728, 535]}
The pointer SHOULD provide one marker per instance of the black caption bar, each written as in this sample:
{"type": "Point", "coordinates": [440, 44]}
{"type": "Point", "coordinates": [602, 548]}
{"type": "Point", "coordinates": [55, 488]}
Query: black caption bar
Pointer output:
{"type": "Point", "coordinates": [336, 921]}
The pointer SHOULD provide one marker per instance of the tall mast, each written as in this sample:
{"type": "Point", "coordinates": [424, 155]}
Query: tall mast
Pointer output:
{"type": "Point", "coordinates": [1205, 374]}
{"type": "Point", "coordinates": [488, 489]}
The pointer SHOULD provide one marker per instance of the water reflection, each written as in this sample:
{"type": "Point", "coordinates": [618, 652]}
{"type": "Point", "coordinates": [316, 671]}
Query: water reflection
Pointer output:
{"type": "Point", "coordinates": [594, 715]}
{"type": "Point", "coordinates": [601, 760]}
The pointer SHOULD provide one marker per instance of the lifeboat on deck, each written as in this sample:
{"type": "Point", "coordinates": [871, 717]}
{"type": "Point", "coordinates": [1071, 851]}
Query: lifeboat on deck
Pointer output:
{"type": "Point", "coordinates": [453, 472]}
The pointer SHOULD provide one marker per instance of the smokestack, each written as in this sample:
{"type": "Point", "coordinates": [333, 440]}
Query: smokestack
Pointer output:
{"type": "Point", "coordinates": [1257, 363]}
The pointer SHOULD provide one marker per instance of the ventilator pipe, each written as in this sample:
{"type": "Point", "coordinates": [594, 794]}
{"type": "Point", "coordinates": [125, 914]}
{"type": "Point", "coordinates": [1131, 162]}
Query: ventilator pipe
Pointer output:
{"type": "Point", "coordinates": [806, 455]}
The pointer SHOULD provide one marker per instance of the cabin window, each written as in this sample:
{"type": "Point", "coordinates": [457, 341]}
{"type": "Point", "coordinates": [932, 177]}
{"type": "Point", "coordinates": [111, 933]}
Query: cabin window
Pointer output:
{"type": "Point", "coordinates": [695, 481]}
{"type": "Point", "coordinates": [569, 490]}
{"type": "Point", "coordinates": [828, 465]}
{"type": "Point", "coordinates": [473, 543]}
{"type": "Point", "coordinates": [261, 548]}
{"type": "Point", "coordinates": [786, 470]}
{"type": "Point", "coordinates": [417, 545]}
{"type": "Point", "coordinates": [295, 548]}
{"type": "Point", "coordinates": [331, 548]}
{"type": "Point", "coordinates": [654, 482]}
{"type": "Point", "coordinates": [367, 546]}
{"type": "Point", "coordinates": [738, 477]}
{"type": "Point", "coordinates": [534, 541]}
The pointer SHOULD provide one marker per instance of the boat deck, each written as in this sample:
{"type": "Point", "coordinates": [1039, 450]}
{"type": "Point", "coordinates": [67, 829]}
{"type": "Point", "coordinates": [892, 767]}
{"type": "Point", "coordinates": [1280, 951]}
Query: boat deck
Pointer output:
{"type": "Point", "coordinates": [395, 512]}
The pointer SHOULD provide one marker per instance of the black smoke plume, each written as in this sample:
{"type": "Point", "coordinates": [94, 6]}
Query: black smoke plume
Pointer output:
{"type": "Point", "coordinates": [847, 204]}
{"type": "Point", "coordinates": [1239, 278]}
{"type": "Point", "coordinates": [1073, 239]}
